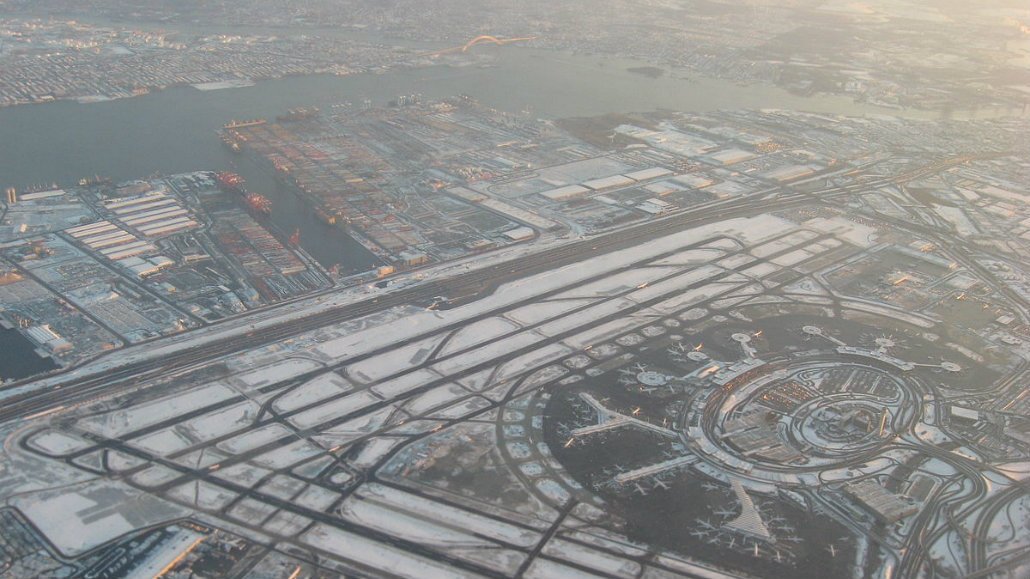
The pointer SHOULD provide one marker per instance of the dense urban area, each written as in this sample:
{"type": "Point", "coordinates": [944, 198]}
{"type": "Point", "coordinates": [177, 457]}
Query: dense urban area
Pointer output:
{"type": "Point", "coordinates": [905, 54]}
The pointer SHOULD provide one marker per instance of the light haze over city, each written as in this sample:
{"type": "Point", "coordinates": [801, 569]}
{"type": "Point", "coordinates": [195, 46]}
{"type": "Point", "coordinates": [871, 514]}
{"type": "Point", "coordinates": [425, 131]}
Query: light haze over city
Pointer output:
{"type": "Point", "coordinates": [640, 289]}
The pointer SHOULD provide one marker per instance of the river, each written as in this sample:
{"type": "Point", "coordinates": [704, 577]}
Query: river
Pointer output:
{"type": "Point", "coordinates": [173, 131]}
{"type": "Point", "coordinates": [18, 358]}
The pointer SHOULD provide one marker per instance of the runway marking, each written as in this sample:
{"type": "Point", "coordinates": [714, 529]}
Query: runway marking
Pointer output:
{"type": "Point", "coordinates": [43, 413]}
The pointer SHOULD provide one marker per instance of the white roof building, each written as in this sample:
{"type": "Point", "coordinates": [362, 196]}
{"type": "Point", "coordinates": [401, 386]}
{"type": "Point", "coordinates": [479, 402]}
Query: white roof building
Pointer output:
{"type": "Point", "coordinates": [519, 233]}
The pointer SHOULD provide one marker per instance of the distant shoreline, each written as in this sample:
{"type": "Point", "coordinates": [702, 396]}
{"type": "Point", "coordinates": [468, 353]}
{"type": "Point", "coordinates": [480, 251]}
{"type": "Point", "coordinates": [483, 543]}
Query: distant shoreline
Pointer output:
{"type": "Point", "coordinates": [224, 84]}
{"type": "Point", "coordinates": [648, 71]}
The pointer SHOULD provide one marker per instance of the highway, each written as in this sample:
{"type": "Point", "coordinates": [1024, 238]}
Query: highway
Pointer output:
{"type": "Point", "coordinates": [466, 284]}
{"type": "Point", "coordinates": [980, 564]}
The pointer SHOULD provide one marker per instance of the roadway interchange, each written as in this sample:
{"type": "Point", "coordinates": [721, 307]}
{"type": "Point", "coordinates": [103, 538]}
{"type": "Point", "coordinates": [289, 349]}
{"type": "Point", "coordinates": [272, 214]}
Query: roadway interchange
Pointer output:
{"type": "Point", "coordinates": [463, 285]}
{"type": "Point", "coordinates": [962, 506]}
{"type": "Point", "coordinates": [490, 439]}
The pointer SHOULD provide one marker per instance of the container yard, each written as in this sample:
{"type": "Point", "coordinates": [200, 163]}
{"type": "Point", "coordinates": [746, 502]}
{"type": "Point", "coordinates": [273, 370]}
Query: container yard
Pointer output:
{"type": "Point", "coordinates": [128, 263]}
{"type": "Point", "coordinates": [360, 170]}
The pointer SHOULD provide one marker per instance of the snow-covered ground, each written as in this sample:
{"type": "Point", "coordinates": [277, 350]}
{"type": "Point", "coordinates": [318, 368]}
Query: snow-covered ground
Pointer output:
{"type": "Point", "coordinates": [85, 516]}
{"type": "Point", "coordinates": [379, 556]}
{"type": "Point", "coordinates": [121, 422]}
{"type": "Point", "coordinates": [748, 230]}
{"type": "Point", "coordinates": [368, 394]}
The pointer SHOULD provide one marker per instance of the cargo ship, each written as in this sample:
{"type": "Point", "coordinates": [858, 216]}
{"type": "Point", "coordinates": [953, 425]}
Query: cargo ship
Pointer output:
{"type": "Point", "coordinates": [300, 114]}
{"type": "Point", "coordinates": [233, 183]}
{"type": "Point", "coordinates": [230, 182]}
{"type": "Point", "coordinates": [259, 203]}
{"type": "Point", "coordinates": [231, 139]}
{"type": "Point", "coordinates": [94, 181]}
{"type": "Point", "coordinates": [234, 124]}
{"type": "Point", "coordinates": [325, 216]}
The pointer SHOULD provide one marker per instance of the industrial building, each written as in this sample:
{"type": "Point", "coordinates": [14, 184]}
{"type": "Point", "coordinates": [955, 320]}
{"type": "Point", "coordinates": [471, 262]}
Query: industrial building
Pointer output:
{"type": "Point", "coordinates": [886, 506]}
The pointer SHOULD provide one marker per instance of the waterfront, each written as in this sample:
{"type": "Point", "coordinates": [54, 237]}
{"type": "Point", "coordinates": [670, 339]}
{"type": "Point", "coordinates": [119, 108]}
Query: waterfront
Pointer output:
{"type": "Point", "coordinates": [173, 131]}
{"type": "Point", "coordinates": [18, 358]}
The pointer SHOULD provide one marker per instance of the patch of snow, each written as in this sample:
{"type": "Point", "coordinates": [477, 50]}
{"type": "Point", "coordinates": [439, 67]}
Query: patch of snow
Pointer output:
{"type": "Point", "coordinates": [319, 388]}
{"type": "Point", "coordinates": [477, 333]}
{"type": "Point", "coordinates": [121, 422]}
{"type": "Point", "coordinates": [345, 406]}
{"type": "Point", "coordinates": [400, 385]}
{"type": "Point", "coordinates": [380, 556]}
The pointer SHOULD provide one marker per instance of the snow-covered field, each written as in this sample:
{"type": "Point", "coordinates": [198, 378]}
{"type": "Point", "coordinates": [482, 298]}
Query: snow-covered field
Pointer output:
{"type": "Point", "coordinates": [372, 386]}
